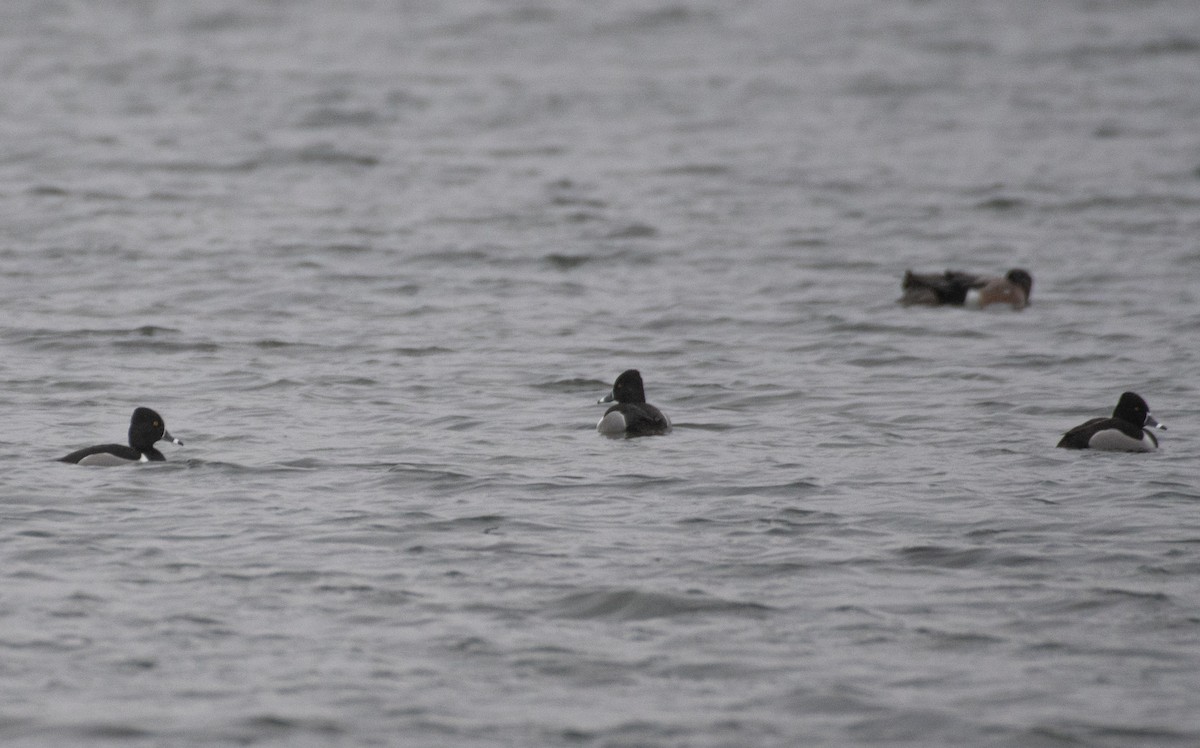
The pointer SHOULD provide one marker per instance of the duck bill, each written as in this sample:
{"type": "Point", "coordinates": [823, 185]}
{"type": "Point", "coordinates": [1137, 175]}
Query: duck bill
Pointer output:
{"type": "Point", "coordinates": [1152, 423]}
{"type": "Point", "coordinates": [167, 436]}
{"type": "Point", "coordinates": [606, 399]}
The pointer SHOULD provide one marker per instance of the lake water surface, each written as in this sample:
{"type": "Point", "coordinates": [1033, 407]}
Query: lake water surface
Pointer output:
{"type": "Point", "coordinates": [375, 261]}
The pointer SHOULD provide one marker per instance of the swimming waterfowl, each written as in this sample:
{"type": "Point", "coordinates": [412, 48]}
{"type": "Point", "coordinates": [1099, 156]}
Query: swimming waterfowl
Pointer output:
{"type": "Point", "coordinates": [952, 287]}
{"type": "Point", "coordinates": [1126, 431]}
{"type": "Point", "coordinates": [631, 415]}
{"type": "Point", "coordinates": [145, 428]}
{"type": "Point", "coordinates": [1013, 289]}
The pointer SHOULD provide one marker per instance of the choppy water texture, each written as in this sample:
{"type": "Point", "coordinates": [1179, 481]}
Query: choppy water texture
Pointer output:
{"type": "Point", "coordinates": [375, 262]}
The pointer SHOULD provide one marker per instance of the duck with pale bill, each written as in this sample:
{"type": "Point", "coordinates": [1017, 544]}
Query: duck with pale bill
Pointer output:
{"type": "Point", "coordinates": [145, 428]}
{"type": "Point", "coordinates": [631, 415]}
{"type": "Point", "coordinates": [1127, 430]}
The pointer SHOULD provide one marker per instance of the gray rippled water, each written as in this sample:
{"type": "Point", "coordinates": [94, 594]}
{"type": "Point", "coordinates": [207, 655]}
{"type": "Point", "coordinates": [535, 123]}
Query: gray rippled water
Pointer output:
{"type": "Point", "coordinates": [375, 261]}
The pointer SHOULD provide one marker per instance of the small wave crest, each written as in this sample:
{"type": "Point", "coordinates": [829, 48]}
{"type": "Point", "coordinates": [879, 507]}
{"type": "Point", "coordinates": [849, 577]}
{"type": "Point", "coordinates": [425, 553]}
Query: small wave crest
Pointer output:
{"type": "Point", "coordinates": [628, 604]}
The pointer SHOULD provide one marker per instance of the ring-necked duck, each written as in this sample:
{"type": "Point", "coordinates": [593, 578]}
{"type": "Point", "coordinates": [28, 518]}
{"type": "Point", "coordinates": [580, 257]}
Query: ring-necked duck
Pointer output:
{"type": "Point", "coordinates": [1126, 431]}
{"type": "Point", "coordinates": [632, 415]}
{"type": "Point", "coordinates": [951, 288]}
{"type": "Point", "coordinates": [145, 428]}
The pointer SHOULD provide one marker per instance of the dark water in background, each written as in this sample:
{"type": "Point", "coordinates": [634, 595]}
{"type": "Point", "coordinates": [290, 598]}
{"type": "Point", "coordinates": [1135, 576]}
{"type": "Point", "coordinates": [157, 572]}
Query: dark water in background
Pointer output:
{"type": "Point", "coordinates": [375, 261]}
